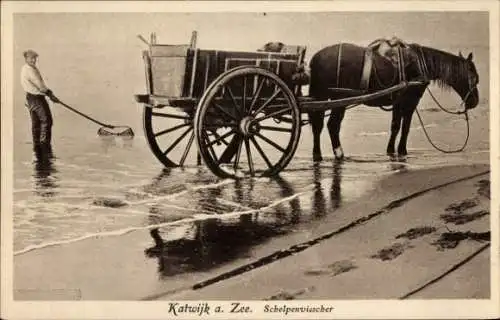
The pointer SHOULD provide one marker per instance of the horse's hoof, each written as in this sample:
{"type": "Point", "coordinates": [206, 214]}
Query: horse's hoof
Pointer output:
{"type": "Point", "coordinates": [339, 158]}
{"type": "Point", "coordinates": [317, 158]}
{"type": "Point", "coordinates": [339, 153]}
{"type": "Point", "coordinates": [392, 156]}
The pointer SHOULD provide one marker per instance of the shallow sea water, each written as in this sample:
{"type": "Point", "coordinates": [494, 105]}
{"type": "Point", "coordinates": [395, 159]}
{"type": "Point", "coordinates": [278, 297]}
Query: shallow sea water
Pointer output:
{"type": "Point", "coordinates": [106, 186]}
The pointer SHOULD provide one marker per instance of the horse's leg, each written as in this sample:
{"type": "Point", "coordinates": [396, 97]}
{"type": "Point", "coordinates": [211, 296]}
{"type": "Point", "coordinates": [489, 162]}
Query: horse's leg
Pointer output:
{"type": "Point", "coordinates": [407, 106]}
{"type": "Point", "coordinates": [316, 120]}
{"type": "Point", "coordinates": [334, 123]}
{"type": "Point", "coordinates": [395, 126]}
{"type": "Point", "coordinates": [405, 130]}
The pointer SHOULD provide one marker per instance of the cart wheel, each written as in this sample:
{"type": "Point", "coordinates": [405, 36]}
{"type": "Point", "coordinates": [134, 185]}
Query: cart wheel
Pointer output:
{"type": "Point", "coordinates": [247, 123]}
{"type": "Point", "coordinates": [170, 135]}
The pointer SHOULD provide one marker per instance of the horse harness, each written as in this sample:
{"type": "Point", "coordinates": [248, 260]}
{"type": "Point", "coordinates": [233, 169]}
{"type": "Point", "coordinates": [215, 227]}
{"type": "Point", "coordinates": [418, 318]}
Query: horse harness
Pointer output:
{"type": "Point", "coordinates": [392, 50]}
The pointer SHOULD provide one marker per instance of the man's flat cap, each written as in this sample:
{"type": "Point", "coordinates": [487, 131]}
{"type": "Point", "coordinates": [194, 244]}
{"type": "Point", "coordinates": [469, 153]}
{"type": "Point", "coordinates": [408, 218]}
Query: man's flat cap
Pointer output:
{"type": "Point", "coordinates": [30, 53]}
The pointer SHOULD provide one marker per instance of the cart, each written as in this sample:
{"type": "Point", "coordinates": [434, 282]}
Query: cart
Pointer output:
{"type": "Point", "coordinates": [243, 109]}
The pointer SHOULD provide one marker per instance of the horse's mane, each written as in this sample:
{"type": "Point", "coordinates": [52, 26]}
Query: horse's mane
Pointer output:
{"type": "Point", "coordinates": [444, 68]}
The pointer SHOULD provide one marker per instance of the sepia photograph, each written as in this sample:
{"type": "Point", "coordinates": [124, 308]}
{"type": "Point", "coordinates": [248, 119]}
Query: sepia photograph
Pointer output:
{"type": "Point", "coordinates": [254, 160]}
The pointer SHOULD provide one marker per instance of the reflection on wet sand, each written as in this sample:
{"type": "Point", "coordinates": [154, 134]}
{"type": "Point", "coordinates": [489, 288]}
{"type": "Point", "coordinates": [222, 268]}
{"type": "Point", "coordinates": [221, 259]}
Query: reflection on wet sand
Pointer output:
{"type": "Point", "coordinates": [335, 195]}
{"type": "Point", "coordinates": [107, 143]}
{"type": "Point", "coordinates": [398, 164]}
{"type": "Point", "coordinates": [110, 142]}
{"type": "Point", "coordinates": [155, 187]}
{"type": "Point", "coordinates": [319, 199]}
{"type": "Point", "coordinates": [45, 182]}
{"type": "Point", "coordinates": [286, 190]}
{"type": "Point", "coordinates": [215, 243]}
{"type": "Point", "coordinates": [218, 240]}
{"type": "Point", "coordinates": [128, 142]}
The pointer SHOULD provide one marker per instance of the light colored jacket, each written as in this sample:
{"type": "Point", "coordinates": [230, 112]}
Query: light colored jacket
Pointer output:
{"type": "Point", "coordinates": [32, 80]}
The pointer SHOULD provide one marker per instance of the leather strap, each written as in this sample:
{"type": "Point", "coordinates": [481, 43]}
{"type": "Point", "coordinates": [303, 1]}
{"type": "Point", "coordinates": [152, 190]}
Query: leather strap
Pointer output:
{"type": "Point", "coordinates": [422, 66]}
{"type": "Point", "coordinates": [339, 59]}
{"type": "Point", "coordinates": [367, 69]}
{"type": "Point", "coordinates": [401, 65]}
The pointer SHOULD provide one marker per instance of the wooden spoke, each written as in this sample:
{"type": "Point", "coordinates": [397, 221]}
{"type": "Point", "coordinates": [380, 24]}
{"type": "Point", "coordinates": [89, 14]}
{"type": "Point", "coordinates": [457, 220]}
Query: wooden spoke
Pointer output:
{"type": "Point", "coordinates": [244, 95]}
{"type": "Point", "coordinates": [261, 152]}
{"type": "Point", "coordinates": [220, 125]}
{"type": "Point", "coordinates": [238, 155]}
{"type": "Point", "coordinates": [233, 98]}
{"type": "Point", "coordinates": [231, 149]}
{"type": "Point", "coordinates": [249, 157]}
{"type": "Point", "coordinates": [221, 109]}
{"type": "Point", "coordinates": [171, 129]}
{"type": "Point", "coordinates": [176, 142]}
{"type": "Point", "coordinates": [272, 143]}
{"type": "Point", "coordinates": [274, 114]}
{"type": "Point", "coordinates": [186, 151]}
{"type": "Point", "coordinates": [276, 129]}
{"type": "Point", "coordinates": [227, 114]}
{"type": "Point", "coordinates": [267, 102]}
{"type": "Point", "coordinates": [172, 116]}
{"type": "Point", "coordinates": [210, 148]}
{"type": "Point", "coordinates": [217, 136]}
{"type": "Point", "coordinates": [284, 119]}
{"type": "Point", "coordinates": [256, 96]}
{"type": "Point", "coordinates": [161, 135]}
{"type": "Point", "coordinates": [221, 138]}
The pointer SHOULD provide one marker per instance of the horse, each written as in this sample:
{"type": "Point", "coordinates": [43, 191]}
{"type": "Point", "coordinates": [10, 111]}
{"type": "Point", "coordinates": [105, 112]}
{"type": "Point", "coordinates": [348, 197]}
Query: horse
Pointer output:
{"type": "Point", "coordinates": [345, 66]}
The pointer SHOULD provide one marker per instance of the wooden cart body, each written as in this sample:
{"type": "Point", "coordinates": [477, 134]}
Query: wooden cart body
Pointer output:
{"type": "Point", "coordinates": [178, 75]}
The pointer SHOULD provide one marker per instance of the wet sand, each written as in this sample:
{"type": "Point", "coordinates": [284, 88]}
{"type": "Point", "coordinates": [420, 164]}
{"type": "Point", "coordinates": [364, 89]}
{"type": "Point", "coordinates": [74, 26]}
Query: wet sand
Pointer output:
{"type": "Point", "coordinates": [387, 244]}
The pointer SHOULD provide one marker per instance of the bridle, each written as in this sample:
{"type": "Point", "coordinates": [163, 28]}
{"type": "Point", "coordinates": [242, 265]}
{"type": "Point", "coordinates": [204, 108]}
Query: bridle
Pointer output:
{"type": "Point", "coordinates": [424, 71]}
{"type": "Point", "coordinates": [472, 86]}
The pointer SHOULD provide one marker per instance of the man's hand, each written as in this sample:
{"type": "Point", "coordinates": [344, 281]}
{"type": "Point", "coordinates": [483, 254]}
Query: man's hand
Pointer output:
{"type": "Point", "coordinates": [52, 97]}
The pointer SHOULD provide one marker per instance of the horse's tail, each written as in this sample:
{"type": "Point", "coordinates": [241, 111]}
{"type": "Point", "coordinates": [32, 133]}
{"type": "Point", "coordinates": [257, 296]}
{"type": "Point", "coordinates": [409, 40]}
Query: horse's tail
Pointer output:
{"type": "Point", "coordinates": [314, 83]}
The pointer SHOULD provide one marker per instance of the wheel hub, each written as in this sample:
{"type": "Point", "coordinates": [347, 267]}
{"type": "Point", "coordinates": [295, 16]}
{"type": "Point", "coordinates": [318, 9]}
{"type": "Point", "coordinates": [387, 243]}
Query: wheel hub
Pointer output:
{"type": "Point", "coordinates": [248, 126]}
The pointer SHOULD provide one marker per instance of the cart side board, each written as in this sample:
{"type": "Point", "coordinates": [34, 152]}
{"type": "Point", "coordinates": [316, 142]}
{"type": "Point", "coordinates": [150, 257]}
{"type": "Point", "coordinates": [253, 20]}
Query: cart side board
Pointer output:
{"type": "Point", "coordinates": [182, 71]}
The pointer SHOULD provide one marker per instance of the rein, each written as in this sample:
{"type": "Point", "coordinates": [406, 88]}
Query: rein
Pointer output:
{"type": "Point", "coordinates": [425, 72]}
{"type": "Point", "coordinates": [440, 149]}
{"type": "Point", "coordinates": [464, 112]}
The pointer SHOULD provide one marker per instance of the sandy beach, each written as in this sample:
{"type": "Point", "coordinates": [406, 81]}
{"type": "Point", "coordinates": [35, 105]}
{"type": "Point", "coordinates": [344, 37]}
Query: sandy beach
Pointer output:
{"type": "Point", "coordinates": [384, 246]}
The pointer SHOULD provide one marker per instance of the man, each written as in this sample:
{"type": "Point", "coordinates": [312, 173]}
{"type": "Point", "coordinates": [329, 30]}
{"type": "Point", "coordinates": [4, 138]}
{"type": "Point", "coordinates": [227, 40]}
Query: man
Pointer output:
{"type": "Point", "coordinates": [36, 90]}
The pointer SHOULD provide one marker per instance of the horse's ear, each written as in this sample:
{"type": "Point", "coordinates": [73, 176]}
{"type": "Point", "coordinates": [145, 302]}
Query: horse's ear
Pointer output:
{"type": "Point", "coordinates": [469, 57]}
{"type": "Point", "coordinates": [460, 54]}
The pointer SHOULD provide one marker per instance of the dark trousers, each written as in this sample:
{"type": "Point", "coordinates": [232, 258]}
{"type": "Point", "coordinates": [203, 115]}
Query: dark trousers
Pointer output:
{"type": "Point", "coordinates": [41, 121]}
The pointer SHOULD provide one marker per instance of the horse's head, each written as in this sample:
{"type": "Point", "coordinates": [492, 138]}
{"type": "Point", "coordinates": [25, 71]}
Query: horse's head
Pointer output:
{"type": "Point", "coordinates": [466, 86]}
